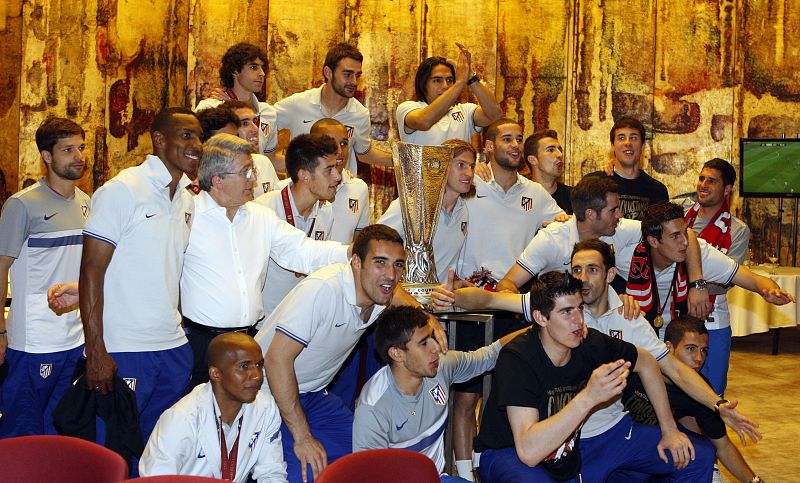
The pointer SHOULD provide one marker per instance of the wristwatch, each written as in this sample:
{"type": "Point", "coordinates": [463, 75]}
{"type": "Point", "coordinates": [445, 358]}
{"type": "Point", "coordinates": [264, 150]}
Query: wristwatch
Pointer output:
{"type": "Point", "coordinates": [720, 403]}
{"type": "Point", "coordinates": [699, 284]}
{"type": "Point", "coordinates": [473, 79]}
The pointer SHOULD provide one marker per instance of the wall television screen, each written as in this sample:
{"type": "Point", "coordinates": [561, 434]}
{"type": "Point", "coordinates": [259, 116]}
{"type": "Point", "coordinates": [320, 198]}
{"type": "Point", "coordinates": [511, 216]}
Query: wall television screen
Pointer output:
{"type": "Point", "coordinates": [769, 167]}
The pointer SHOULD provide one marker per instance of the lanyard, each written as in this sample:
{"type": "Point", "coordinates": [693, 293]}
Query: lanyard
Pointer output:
{"type": "Point", "coordinates": [287, 208]}
{"type": "Point", "coordinates": [228, 468]}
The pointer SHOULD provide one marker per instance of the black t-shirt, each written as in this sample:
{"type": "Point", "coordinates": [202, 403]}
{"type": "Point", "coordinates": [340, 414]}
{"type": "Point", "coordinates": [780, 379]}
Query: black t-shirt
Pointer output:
{"type": "Point", "coordinates": [525, 376]}
{"type": "Point", "coordinates": [635, 195]}
{"type": "Point", "coordinates": [561, 195]}
{"type": "Point", "coordinates": [638, 406]}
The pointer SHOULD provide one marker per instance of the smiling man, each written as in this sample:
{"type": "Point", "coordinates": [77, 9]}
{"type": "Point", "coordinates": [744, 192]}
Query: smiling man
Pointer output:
{"type": "Point", "coordinates": [545, 156]}
{"type": "Point", "coordinates": [227, 429]}
{"type": "Point", "coordinates": [436, 115]}
{"type": "Point", "coordinates": [302, 203]}
{"type": "Point", "coordinates": [247, 129]}
{"type": "Point", "coordinates": [231, 241]}
{"type": "Point", "coordinates": [40, 244]}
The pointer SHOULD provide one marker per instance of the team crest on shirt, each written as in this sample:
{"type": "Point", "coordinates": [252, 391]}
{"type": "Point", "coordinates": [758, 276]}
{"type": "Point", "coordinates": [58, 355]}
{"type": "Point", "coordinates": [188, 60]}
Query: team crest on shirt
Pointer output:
{"type": "Point", "coordinates": [188, 217]}
{"type": "Point", "coordinates": [131, 382]}
{"type": "Point", "coordinates": [464, 228]}
{"type": "Point", "coordinates": [458, 116]}
{"type": "Point", "coordinates": [85, 210]}
{"type": "Point", "coordinates": [353, 205]}
{"type": "Point", "coordinates": [319, 235]}
{"type": "Point", "coordinates": [439, 395]}
{"type": "Point", "coordinates": [350, 130]}
{"type": "Point", "coordinates": [527, 203]}
{"type": "Point", "coordinates": [45, 370]}
{"type": "Point", "coordinates": [615, 334]}
{"type": "Point", "coordinates": [265, 186]}
{"type": "Point", "coordinates": [253, 440]}
{"type": "Point", "coordinates": [265, 128]}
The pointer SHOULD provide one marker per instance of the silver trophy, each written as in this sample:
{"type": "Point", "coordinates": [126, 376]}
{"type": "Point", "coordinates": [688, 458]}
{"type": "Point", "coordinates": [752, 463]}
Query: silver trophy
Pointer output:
{"type": "Point", "coordinates": [421, 173]}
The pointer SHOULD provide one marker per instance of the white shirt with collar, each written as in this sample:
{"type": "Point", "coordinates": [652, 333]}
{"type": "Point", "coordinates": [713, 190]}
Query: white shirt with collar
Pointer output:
{"type": "Point", "coordinates": [321, 314]}
{"type": "Point", "coordinates": [351, 208]}
{"type": "Point", "coordinates": [267, 132]}
{"type": "Point", "coordinates": [226, 261]}
{"type": "Point", "coordinates": [185, 441]}
{"type": "Point", "coordinates": [300, 111]}
{"type": "Point", "coordinates": [551, 248]}
{"type": "Point", "coordinates": [317, 226]}
{"type": "Point", "coordinates": [267, 179]}
{"type": "Point", "coordinates": [502, 223]}
{"type": "Point", "coordinates": [149, 231]}
{"type": "Point", "coordinates": [448, 240]}
{"type": "Point", "coordinates": [457, 123]}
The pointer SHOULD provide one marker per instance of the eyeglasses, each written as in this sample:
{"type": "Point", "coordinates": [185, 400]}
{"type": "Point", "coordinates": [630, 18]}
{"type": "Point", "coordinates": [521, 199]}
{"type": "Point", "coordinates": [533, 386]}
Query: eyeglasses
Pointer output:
{"type": "Point", "coordinates": [249, 173]}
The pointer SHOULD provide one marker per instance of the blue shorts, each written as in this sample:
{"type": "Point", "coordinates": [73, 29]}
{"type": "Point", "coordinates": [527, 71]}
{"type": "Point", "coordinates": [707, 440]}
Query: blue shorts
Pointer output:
{"type": "Point", "coordinates": [719, 356]}
{"type": "Point", "coordinates": [331, 424]}
{"type": "Point", "coordinates": [32, 389]}
{"type": "Point", "coordinates": [345, 384]}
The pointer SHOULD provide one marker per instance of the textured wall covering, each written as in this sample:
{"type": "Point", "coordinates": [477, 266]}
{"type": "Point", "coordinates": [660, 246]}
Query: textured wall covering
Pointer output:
{"type": "Point", "coordinates": [699, 73]}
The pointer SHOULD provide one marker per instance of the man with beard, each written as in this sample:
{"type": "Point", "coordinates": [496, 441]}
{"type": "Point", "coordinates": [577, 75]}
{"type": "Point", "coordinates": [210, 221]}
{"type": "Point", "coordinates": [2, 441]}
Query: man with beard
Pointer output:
{"type": "Point", "coordinates": [436, 115]}
{"type": "Point", "coordinates": [334, 98]}
{"type": "Point", "coordinates": [202, 434]}
{"type": "Point", "coordinates": [308, 337]}
{"type": "Point", "coordinates": [351, 208]}
{"type": "Point", "coordinates": [302, 203]}
{"type": "Point", "coordinates": [133, 250]}
{"type": "Point", "coordinates": [40, 244]}
{"type": "Point", "coordinates": [545, 157]}
{"type": "Point", "coordinates": [247, 129]}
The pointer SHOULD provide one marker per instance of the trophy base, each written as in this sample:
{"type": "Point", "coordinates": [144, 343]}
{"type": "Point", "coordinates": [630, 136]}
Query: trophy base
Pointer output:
{"type": "Point", "coordinates": [421, 292]}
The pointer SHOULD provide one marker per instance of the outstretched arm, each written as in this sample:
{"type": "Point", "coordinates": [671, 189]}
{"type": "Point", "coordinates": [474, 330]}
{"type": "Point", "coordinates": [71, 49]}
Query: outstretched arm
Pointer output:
{"type": "Point", "coordinates": [766, 287]}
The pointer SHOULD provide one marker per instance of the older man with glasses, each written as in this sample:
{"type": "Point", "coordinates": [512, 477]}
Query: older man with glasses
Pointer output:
{"type": "Point", "coordinates": [230, 243]}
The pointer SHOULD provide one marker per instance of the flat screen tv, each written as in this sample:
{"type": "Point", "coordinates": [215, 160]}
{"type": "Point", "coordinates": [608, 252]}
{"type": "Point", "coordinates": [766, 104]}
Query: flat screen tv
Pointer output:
{"type": "Point", "coordinates": [769, 167]}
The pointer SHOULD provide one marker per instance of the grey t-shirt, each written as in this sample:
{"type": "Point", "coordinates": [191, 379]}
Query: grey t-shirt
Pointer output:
{"type": "Point", "coordinates": [387, 418]}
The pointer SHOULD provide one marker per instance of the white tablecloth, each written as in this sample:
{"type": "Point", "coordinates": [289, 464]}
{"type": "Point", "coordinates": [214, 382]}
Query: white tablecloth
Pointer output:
{"type": "Point", "coordinates": [751, 314]}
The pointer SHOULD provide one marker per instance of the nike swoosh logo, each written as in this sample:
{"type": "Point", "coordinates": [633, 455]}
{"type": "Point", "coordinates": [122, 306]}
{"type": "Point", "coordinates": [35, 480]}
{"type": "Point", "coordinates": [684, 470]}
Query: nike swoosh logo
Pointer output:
{"type": "Point", "coordinates": [339, 325]}
{"type": "Point", "coordinates": [400, 426]}
{"type": "Point", "coordinates": [306, 122]}
{"type": "Point", "coordinates": [48, 217]}
{"type": "Point", "coordinates": [629, 433]}
{"type": "Point", "coordinates": [480, 196]}
{"type": "Point", "coordinates": [150, 216]}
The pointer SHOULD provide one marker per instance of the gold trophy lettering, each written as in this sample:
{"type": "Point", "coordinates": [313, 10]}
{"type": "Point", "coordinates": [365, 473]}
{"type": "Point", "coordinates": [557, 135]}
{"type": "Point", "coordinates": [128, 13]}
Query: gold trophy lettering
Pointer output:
{"type": "Point", "coordinates": [421, 173]}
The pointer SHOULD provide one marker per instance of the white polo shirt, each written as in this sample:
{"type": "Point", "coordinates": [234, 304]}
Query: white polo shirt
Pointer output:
{"type": "Point", "coordinates": [502, 223]}
{"type": "Point", "coordinates": [457, 123]}
{"type": "Point", "coordinates": [448, 240]}
{"type": "Point", "coordinates": [226, 261]}
{"type": "Point", "coordinates": [351, 208]}
{"type": "Point", "coordinates": [133, 213]}
{"type": "Point", "coordinates": [717, 268]}
{"type": "Point", "coordinates": [267, 133]}
{"type": "Point", "coordinates": [267, 179]}
{"type": "Point", "coordinates": [317, 226]}
{"type": "Point", "coordinates": [551, 248]}
{"type": "Point", "coordinates": [322, 315]}
{"type": "Point", "coordinates": [300, 111]}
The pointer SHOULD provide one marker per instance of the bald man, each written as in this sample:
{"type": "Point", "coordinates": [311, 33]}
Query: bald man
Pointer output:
{"type": "Point", "coordinates": [201, 435]}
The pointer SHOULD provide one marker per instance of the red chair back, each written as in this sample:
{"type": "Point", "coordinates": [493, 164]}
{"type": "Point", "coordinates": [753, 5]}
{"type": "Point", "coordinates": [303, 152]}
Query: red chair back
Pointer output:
{"type": "Point", "coordinates": [383, 466]}
{"type": "Point", "coordinates": [58, 459]}
{"type": "Point", "coordinates": [174, 479]}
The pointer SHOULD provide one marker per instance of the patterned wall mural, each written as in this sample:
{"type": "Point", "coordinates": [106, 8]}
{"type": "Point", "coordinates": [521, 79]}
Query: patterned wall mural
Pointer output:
{"type": "Point", "coordinates": [699, 73]}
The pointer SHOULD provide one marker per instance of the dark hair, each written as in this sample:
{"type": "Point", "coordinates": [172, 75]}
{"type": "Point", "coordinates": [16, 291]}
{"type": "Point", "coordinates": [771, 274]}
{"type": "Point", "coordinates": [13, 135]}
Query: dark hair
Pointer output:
{"type": "Point", "coordinates": [725, 168]}
{"type": "Point", "coordinates": [338, 52]}
{"type": "Point", "coordinates": [681, 325]}
{"type": "Point", "coordinates": [532, 141]}
{"type": "Point", "coordinates": [55, 128]}
{"type": "Point", "coordinates": [656, 215]}
{"type": "Point", "coordinates": [305, 150]}
{"type": "Point", "coordinates": [395, 326]}
{"type": "Point", "coordinates": [590, 194]}
{"type": "Point", "coordinates": [549, 287]}
{"type": "Point", "coordinates": [325, 122]}
{"type": "Point", "coordinates": [236, 58]}
{"type": "Point", "coordinates": [491, 131]}
{"type": "Point", "coordinates": [165, 117]}
{"type": "Point", "coordinates": [235, 104]}
{"type": "Point", "coordinates": [375, 232]}
{"type": "Point", "coordinates": [214, 119]}
{"type": "Point", "coordinates": [626, 122]}
{"type": "Point", "coordinates": [598, 245]}
{"type": "Point", "coordinates": [424, 73]}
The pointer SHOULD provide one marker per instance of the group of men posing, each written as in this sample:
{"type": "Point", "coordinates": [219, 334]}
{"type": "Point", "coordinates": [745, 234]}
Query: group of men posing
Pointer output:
{"type": "Point", "coordinates": [185, 258]}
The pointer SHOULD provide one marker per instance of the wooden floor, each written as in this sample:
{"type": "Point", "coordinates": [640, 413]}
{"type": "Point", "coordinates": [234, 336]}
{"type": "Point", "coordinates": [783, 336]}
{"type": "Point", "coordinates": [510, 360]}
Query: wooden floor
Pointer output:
{"type": "Point", "coordinates": [768, 390]}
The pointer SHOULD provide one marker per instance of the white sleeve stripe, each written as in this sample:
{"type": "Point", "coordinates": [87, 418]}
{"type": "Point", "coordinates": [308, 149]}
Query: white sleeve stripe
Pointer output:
{"type": "Point", "coordinates": [521, 264]}
{"type": "Point", "coordinates": [288, 334]}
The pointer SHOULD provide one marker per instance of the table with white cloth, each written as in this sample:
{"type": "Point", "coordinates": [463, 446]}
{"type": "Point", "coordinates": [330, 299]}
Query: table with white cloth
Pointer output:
{"type": "Point", "coordinates": [751, 314]}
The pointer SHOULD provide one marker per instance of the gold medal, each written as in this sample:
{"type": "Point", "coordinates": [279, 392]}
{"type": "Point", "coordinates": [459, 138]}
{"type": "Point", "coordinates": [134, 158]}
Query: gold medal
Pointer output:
{"type": "Point", "coordinates": [658, 322]}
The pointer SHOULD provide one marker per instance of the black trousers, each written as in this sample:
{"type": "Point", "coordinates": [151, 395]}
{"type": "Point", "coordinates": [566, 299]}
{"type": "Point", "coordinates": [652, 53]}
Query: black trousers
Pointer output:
{"type": "Point", "coordinates": [199, 337]}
